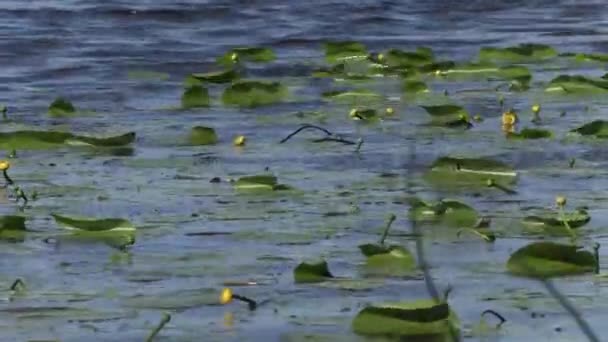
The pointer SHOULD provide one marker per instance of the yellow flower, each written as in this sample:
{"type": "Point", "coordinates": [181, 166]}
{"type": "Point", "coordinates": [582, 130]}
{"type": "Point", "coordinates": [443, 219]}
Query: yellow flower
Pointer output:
{"type": "Point", "coordinates": [560, 201]}
{"type": "Point", "coordinates": [509, 118]}
{"type": "Point", "coordinates": [4, 165]}
{"type": "Point", "coordinates": [239, 140]}
{"type": "Point", "coordinates": [380, 57]}
{"type": "Point", "coordinates": [390, 111]}
{"type": "Point", "coordinates": [536, 108]}
{"type": "Point", "coordinates": [234, 57]}
{"type": "Point", "coordinates": [226, 296]}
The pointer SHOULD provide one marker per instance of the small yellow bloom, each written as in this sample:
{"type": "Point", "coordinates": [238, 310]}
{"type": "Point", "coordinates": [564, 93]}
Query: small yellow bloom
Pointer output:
{"type": "Point", "coordinates": [509, 118]}
{"type": "Point", "coordinates": [437, 72]}
{"type": "Point", "coordinates": [226, 296]}
{"type": "Point", "coordinates": [239, 140]}
{"type": "Point", "coordinates": [380, 57]}
{"type": "Point", "coordinates": [234, 57]}
{"type": "Point", "coordinates": [536, 108]}
{"type": "Point", "coordinates": [560, 201]}
{"type": "Point", "coordinates": [390, 111]}
{"type": "Point", "coordinates": [4, 165]}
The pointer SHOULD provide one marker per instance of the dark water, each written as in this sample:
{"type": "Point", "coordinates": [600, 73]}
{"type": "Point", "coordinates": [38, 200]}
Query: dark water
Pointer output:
{"type": "Point", "coordinates": [85, 51]}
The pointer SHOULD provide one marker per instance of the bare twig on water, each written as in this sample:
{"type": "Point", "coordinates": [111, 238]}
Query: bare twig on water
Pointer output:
{"type": "Point", "coordinates": [166, 318]}
{"type": "Point", "coordinates": [497, 315]}
{"type": "Point", "coordinates": [330, 136]}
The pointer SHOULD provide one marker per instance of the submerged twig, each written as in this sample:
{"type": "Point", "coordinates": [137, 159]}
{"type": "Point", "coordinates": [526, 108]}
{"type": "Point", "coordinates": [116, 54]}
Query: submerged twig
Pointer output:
{"type": "Point", "coordinates": [330, 136]}
{"type": "Point", "coordinates": [389, 222]}
{"type": "Point", "coordinates": [497, 315]}
{"type": "Point", "coordinates": [166, 318]}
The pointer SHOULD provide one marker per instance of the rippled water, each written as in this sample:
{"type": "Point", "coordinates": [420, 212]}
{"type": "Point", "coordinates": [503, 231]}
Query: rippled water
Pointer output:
{"type": "Point", "coordinates": [86, 50]}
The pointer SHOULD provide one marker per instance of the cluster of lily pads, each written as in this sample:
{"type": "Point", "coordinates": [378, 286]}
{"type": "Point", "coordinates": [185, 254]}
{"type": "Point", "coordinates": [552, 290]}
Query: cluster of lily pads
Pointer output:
{"type": "Point", "coordinates": [353, 61]}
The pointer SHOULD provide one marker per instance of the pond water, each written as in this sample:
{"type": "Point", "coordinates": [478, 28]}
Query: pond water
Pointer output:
{"type": "Point", "coordinates": [123, 65]}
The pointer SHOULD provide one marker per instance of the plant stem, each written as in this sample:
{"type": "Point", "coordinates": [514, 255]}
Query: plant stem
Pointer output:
{"type": "Point", "coordinates": [596, 253]}
{"type": "Point", "coordinates": [389, 222]}
{"type": "Point", "coordinates": [252, 303]}
{"type": "Point", "coordinates": [166, 318]}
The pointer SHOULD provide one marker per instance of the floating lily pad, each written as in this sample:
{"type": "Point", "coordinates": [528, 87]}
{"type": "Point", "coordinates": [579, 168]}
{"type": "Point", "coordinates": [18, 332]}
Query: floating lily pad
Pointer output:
{"type": "Point", "coordinates": [575, 219]}
{"type": "Point", "coordinates": [450, 171]}
{"type": "Point", "coordinates": [446, 212]}
{"type": "Point", "coordinates": [577, 85]}
{"type": "Point", "coordinates": [147, 75]}
{"type": "Point", "coordinates": [448, 115]}
{"type": "Point", "coordinates": [596, 128]}
{"type": "Point", "coordinates": [12, 222]}
{"type": "Point", "coordinates": [25, 140]}
{"type": "Point", "coordinates": [530, 133]}
{"type": "Point", "coordinates": [86, 224]}
{"type": "Point", "coordinates": [360, 96]}
{"type": "Point", "coordinates": [387, 261]}
{"type": "Point", "coordinates": [312, 272]}
{"type": "Point", "coordinates": [259, 183]}
{"type": "Point", "coordinates": [423, 317]}
{"type": "Point", "coordinates": [61, 107]}
{"type": "Point", "coordinates": [254, 93]}
{"type": "Point", "coordinates": [396, 57]}
{"type": "Point", "coordinates": [195, 96]}
{"type": "Point", "coordinates": [487, 71]}
{"type": "Point", "coordinates": [225, 76]}
{"type": "Point", "coordinates": [587, 57]}
{"type": "Point", "coordinates": [414, 87]}
{"type": "Point", "coordinates": [549, 259]}
{"type": "Point", "coordinates": [364, 114]}
{"type": "Point", "coordinates": [341, 50]}
{"type": "Point", "coordinates": [201, 135]}
{"type": "Point", "coordinates": [519, 53]}
{"type": "Point", "coordinates": [248, 54]}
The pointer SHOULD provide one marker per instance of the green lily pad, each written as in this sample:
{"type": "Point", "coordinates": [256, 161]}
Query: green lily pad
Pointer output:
{"type": "Point", "coordinates": [254, 93]}
{"type": "Point", "coordinates": [393, 261]}
{"type": "Point", "coordinates": [549, 259]}
{"type": "Point", "coordinates": [364, 114]}
{"type": "Point", "coordinates": [396, 57]}
{"type": "Point", "coordinates": [587, 57]}
{"type": "Point", "coordinates": [247, 54]}
{"type": "Point", "coordinates": [12, 222]}
{"type": "Point", "coordinates": [312, 272]}
{"type": "Point", "coordinates": [259, 183]}
{"type": "Point", "coordinates": [448, 115]}
{"type": "Point", "coordinates": [450, 171]}
{"type": "Point", "coordinates": [596, 128]}
{"type": "Point", "coordinates": [359, 96]}
{"type": "Point", "coordinates": [86, 224]}
{"type": "Point", "coordinates": [61, 107]}
{"type": "Point", "coordinates": [575, 219]}
{"type": "Point", "coordinates": [195, 96]}
{"type": "Point", "coordinates": [225, 76]}
{"type": "Point", "coordinates": [423, 317]}
{"type": "Point", "coordinates": [530, 133]}
{"type": "Point", "coordinates": [519, 53]}
{"type": "Point", "coordinates": [446, 212]}
{"type": "Point", "coordinates": [487, 71]}
{"type": "Point", "coordinates": [26, 140]}
{"type": "Point", "coordinates": [577, 84]}
{"type": "Point", "coordinates": [201, 135]}
{"type": "Point", "coordinates": [343, 50]}
{"type": "Point", "coordinates": [414, 87]}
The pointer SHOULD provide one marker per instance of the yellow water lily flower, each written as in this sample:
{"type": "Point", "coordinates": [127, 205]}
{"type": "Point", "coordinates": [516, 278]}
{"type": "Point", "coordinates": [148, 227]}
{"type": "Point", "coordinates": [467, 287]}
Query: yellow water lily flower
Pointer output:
{"type": "Point", "coordinates": [234, 57]}
{"type": "Point", "coordinates": [536, 108]}
{"type": "Point", "coordinates": [239, 140]}
{"type": "Point", "coordinates": [390, 111]}
{"type": "Point", "coordinates": [509, 118]}
{"type": "Point", "coordinates": [380, 57]}
{"type": "Point", "coordinates": [4, 165]}
{"type": "Point", "coordinates": [560, 201]}
{"type": "Point", "coordinates": [226, 296]}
